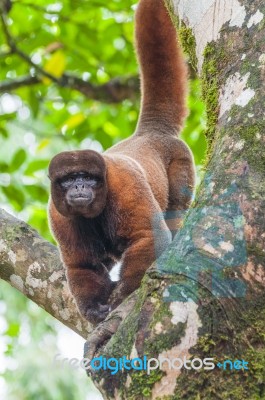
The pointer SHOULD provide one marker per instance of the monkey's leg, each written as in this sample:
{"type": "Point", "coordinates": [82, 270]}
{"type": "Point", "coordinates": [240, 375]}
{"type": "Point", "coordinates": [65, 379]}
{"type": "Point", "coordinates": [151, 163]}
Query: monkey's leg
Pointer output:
{"type": "Point", "coordinates": [91, 287]}
{"type": "Point", "coordinates": [138, 258]}
{"type": "Point", "coordinates": [181, 179]}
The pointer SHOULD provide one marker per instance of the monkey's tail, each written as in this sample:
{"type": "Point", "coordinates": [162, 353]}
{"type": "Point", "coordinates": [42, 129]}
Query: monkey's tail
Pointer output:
{"type": "Point", "coordinates": [163, 70]}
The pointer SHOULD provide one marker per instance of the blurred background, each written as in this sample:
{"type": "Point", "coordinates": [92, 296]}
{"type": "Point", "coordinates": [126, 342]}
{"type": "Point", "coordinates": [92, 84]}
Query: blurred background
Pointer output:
{"type": "Point", "coordinates": [68, 80]}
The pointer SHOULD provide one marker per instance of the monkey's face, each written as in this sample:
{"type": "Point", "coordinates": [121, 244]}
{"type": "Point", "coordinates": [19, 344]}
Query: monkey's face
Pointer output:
{"type": "Point", "coordinates": [78, 183]}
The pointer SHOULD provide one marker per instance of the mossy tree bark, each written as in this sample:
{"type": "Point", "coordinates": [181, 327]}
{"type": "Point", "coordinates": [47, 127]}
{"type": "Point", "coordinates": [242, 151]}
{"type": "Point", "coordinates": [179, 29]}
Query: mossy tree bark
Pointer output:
{"type": "Point", "coordinates": [205, 296]}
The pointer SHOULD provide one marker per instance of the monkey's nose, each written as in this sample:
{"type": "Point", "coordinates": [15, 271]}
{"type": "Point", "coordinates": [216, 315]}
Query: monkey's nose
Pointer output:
{"type": "Point", "coordinates": [80, 187]}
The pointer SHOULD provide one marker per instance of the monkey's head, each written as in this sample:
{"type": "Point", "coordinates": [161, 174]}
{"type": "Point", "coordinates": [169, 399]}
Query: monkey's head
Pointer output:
{"type": "Point", "coordinates": [78, 183]}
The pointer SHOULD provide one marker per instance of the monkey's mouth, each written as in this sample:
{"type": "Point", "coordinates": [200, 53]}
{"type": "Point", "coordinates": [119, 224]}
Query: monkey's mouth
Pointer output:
{"type": "Point", "coordinates": [80, 201]}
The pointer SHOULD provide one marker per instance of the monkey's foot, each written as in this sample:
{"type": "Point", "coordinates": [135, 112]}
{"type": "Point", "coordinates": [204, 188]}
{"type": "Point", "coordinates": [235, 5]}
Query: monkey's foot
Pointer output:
{"type": "Point", "coordinates": [96, 312]}
{"type": "Point", "coordinates": [103, 332]}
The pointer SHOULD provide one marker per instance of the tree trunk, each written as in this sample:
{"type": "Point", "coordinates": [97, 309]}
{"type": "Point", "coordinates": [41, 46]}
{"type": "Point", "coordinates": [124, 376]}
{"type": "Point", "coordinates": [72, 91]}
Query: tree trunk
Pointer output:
{"type": "Point", "coordinates": [204, 297]}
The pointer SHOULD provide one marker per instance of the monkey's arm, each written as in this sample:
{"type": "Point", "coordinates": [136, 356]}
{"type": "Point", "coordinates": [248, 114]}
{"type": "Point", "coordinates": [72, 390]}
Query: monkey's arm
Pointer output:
{"type": "Point", "coordinates": [87, 274]}
{"type": "Point", "coordinates": [89, 283]}
{"type": "Point", "coordinates": [146, 246]}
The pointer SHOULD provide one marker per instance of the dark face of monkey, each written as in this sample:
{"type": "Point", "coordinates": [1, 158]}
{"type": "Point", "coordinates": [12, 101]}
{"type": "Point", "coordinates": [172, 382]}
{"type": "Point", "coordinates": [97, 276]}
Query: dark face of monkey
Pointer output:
{"type": "Point", "coordinates": [78, 183]}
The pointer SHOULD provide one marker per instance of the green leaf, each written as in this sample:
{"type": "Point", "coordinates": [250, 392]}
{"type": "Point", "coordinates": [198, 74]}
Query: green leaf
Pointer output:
{"type": "Point", "coordinates": [34, 102]}
{"type": "Point", "coordinates": [36, 165]}
{"type": "Point", "coordinates": [13, 330]}
{"type": "Point", "coordinates": [3, 132]}
{"type": "Point", "coordinates": [17, 160]}
{"type": "Point", "coordinates": [15, 196]}
{"type": "Point", "coordinates": [37, 192]}
{"type": "Point", "coordinates": [55, 65]}
{"type": "Point", "coordinates": [74, 121]}
{"type": "Point", "coordinates": [4, 167]}
{"type": "Point", "coordinates": [43, 143]}
{"type": "Point", "coordinates": [8, 117]}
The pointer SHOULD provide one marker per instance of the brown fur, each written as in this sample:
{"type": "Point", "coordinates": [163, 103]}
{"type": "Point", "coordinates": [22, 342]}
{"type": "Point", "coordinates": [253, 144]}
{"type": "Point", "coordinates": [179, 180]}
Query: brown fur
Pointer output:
{"type": "Point", "coordinates": [142, 177]}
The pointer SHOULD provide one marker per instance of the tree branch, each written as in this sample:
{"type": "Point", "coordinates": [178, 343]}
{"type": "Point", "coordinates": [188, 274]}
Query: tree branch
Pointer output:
{"type": "Point", "coordinates": [7, 86]}
{"type": "Point", "coordinates": [5, 6]}
{"type": "Point", "coordinates": [32, 265]}
{"type": "Point", "coordinates": [114, 91]}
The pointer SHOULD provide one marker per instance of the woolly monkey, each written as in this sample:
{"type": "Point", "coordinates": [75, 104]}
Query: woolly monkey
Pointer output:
{"type": "Point", "coordinates": [108, 207]}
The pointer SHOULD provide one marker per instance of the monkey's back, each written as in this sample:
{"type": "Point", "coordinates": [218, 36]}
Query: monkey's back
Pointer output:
{"type": "Point", "coordinates": [149, 156]}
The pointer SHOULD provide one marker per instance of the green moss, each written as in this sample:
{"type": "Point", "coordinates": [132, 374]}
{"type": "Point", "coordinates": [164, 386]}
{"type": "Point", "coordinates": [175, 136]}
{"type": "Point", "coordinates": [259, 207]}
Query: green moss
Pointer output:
{"type": "Point", "coordinates": [254, 250]}
{"type": "Point", "coordinates": [142, 384]}
{"type": "Point", "coordinates": [121, 343]}
{"type": "Point", "coordinates": [162, 310]}
{"type": "Point", "coordinates": [210, 91]}
{"type": "Point", "coordinates": [185, 34]}
{"type": "Point", "coordinates": [11, 232]}
{"type": "Point", "coordinates": [165, 341]}
{"type": "Point", "coordinates": [205, 343]}
{"type": "Point", "coordinates": [253, 149]}
{"type": "Point", "coordinates": [252, 136]}
{"type": "Point", "coordinates": [188, 44]}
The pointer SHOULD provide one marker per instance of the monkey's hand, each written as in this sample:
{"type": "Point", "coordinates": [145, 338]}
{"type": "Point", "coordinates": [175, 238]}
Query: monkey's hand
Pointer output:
{"type": "Point", "coordinates": [91, 288]}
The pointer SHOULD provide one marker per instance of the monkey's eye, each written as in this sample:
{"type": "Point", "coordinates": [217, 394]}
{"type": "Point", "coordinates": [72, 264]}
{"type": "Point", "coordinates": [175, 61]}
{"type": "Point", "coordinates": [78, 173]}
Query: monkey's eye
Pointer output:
{"type": "Point", "coordinates": [67, 181]}
{"type": "Point", "coordinates": [90, 180]}
{"type": "Point", "coordinates": [93, 182]}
